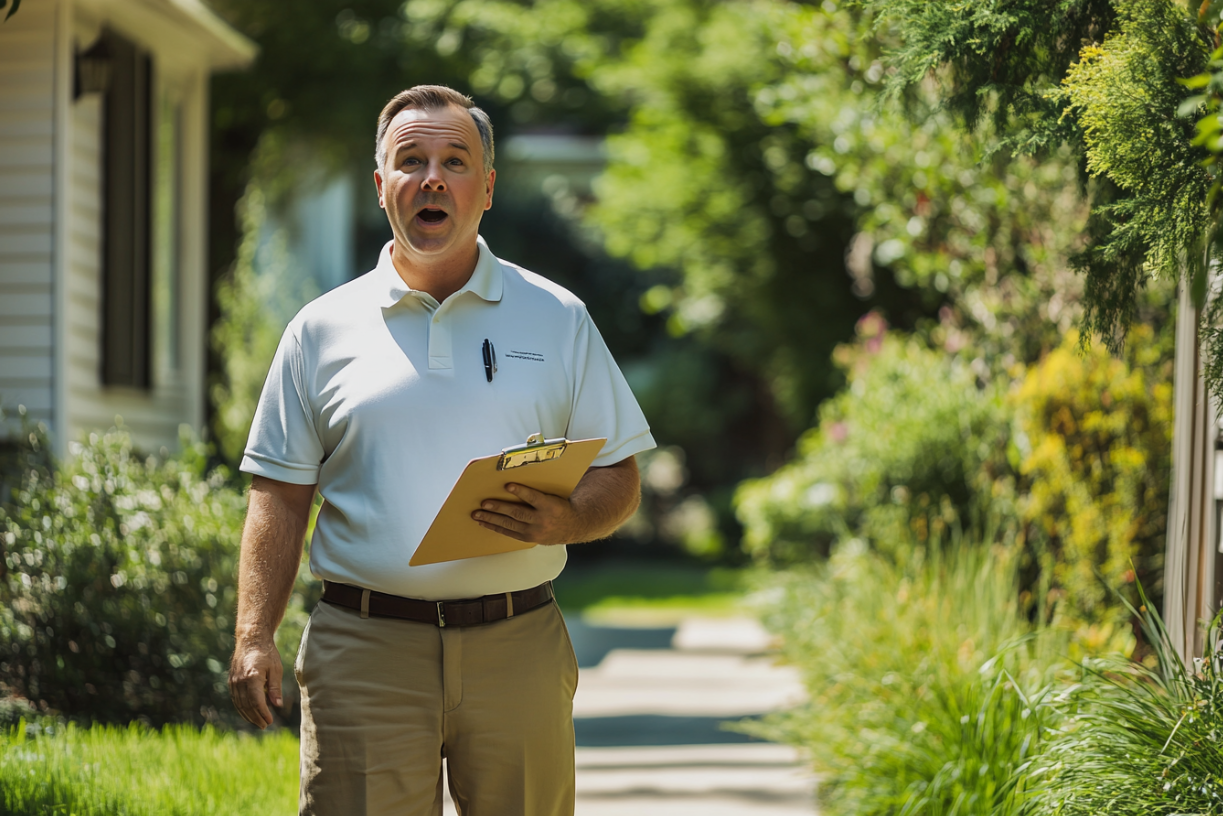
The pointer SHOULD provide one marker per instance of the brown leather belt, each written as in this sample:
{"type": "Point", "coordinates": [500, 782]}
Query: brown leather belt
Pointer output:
{"type": "Point", "coordinates": [470, 612]}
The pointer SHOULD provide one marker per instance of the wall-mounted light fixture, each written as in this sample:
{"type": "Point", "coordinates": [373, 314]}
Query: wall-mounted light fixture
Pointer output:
{"type": "Point", "coordinates": [93, 69]}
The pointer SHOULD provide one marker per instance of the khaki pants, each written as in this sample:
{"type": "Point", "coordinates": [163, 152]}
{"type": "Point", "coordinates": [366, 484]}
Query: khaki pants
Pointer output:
{"type": "Point", "coordinates": [384, 700]}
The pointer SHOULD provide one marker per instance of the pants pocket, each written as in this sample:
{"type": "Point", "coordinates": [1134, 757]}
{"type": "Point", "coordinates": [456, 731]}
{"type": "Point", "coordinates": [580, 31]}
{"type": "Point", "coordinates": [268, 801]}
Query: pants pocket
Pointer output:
{"type": "Point", "coordinates": [573, 658]}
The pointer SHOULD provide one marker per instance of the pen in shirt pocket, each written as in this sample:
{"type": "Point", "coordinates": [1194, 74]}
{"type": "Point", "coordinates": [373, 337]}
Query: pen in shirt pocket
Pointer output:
{"type": "Point", "coordinates": [490, 360]}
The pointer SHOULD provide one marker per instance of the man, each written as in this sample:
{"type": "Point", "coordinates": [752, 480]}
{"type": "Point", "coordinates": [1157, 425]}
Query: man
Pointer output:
{"type": "Point", "coordinates": [378, 396]}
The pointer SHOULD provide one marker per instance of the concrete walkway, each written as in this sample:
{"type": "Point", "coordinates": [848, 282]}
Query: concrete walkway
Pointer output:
{"type": "Point", "coordinates": [649, 717]}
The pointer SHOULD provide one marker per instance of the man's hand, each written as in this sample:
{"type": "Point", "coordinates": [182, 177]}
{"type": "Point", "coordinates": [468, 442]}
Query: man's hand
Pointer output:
{"type": "Point", "coordinates": [601, 502]}
{"type": "Point", "coordinates": [255, 673]}
{"type": "Point", "coordinates": [543, 519]}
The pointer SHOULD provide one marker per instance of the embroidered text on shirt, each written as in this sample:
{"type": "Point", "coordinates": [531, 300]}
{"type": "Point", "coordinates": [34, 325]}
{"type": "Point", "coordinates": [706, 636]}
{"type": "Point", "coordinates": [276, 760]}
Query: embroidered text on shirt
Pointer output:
{"type": "Point", "coordinates": [533, 356]}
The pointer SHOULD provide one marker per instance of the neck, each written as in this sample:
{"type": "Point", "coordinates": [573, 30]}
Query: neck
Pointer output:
{"type": "Point", "coordinates": [440, 277]}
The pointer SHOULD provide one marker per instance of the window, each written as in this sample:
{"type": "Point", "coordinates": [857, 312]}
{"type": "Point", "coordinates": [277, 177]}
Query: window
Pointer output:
{"type": "Point", "coordinates": [126, 190]}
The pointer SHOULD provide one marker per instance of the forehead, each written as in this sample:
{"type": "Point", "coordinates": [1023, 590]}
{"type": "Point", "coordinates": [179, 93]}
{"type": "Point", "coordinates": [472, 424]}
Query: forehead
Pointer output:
{"type": "Point", "coordinates": [449, 124]}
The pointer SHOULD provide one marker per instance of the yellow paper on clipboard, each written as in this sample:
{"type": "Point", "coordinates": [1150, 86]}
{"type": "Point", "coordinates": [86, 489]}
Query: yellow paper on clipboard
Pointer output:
{"type": "Point", "coordinates": [548, 465]}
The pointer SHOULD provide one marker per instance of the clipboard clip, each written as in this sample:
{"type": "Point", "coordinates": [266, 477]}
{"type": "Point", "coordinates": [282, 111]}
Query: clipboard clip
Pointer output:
{"type": "Point", "coordinates": [537, 449]}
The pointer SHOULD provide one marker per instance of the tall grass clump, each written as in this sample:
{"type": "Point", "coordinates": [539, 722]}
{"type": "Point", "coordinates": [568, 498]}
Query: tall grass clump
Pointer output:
{"type": "Point", "coordinates": [1138, 738]}
{"type": "Point", "coordinates": [927, 679]}
{"type": "Point", "coordinates": [137, 771]}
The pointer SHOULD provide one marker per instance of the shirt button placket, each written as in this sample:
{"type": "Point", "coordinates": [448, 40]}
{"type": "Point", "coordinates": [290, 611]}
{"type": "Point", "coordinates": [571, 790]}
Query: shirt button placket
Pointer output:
{"type": "Point", "coordinates": [439, 341]}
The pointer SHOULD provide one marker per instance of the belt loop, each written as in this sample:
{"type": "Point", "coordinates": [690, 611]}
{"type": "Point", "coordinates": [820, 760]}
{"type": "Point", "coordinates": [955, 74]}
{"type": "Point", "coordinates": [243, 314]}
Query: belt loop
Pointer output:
{"type": "Point", "coordinates": [509, 604]}
{"type": "Point", "coordinates": [441, 616]}
{"type": "Point", "coordinates": [364, 603]}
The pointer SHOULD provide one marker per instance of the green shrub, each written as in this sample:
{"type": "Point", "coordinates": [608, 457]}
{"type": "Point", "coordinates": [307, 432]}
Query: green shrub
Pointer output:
{"type": "Point", "coordinates": [118, 584]}
{"type": "Point", "coordinates": [1138, 738]}
{"type": "Point", "coordinates": [926, 679]}
{"type": "Point", "coordinates": [911, 447]}
{"type": "Point", "coordinates": [118, 580]}
{"type": "Point", "coordinates": [103, 771]}
{"type": "Point", "coordinates": [1096, 435]}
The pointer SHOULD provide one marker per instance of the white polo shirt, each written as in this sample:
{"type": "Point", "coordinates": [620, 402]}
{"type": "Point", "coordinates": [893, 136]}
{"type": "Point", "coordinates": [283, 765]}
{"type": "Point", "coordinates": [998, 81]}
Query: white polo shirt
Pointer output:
{"type": "Point", "coordinates": [378, 394]}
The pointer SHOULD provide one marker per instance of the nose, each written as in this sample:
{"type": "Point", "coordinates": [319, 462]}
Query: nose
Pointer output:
{"type": "Point", "coordinates": [434, 182]}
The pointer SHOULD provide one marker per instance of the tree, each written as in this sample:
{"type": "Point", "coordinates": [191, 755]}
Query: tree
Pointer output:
{"type": "Point", "coordinates": [1101, 80]}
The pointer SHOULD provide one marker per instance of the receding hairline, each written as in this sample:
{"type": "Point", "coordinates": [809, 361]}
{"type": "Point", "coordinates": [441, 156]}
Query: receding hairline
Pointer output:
{"type": "Point", "coordinates": [390, 124]}
{"type": "Point", "coordinates": [429, 98]}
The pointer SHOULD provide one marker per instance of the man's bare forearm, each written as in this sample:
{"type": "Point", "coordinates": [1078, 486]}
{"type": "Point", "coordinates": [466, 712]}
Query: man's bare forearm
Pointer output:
{"type": "Point", "coordinates": [272, 540]}
{"type": "Point", "coordinates": [606, 497]}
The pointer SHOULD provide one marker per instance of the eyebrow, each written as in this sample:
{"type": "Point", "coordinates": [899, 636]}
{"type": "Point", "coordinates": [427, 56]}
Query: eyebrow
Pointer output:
{"type": "Point", "coordinates": [411, 145]}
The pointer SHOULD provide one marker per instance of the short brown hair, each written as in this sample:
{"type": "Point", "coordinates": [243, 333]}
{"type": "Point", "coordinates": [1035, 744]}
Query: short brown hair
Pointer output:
{"type": "Point", "coordinates": [431, 98]}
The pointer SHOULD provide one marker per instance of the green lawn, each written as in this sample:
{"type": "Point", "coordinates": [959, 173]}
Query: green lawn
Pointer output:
{"type": "Point", "coordinates": [179, 771]}
{"type": "Point", "coordinates": [105, 771]}
{"type": "Point", "coordinates": [643, 593]}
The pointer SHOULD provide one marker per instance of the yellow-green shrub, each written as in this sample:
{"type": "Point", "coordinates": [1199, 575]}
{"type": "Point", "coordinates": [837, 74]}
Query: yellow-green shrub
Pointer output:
{"type": "Point", "coordinates": [1096, 442]}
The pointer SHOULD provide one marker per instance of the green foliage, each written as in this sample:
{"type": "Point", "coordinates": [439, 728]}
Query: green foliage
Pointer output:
{"type": "Point", "coordinates": [1209, 137]}
{"type": "Point", "coordinates": [927, 679]}
{"type": "Point", "coordinates": [990, 236]}
{"type": "Point", "coordinates": [1100, 78]}
{"type": "Point", "coordinates": [117, 589]}
{"type": "Point", "coordinates": [998, 59]}
{"type": "Point", "coordinates": [1138, 738]}
{"type": "Point", "coordinates": [746, 238]}
{"type": "Point", "coordinates": [1096, 434]}
{"type": "Point", "coordinates": [135, 771]}
{"type": "Point", "coordinates": [1124, 95]}
{"type": "Point", "coordinates": [892, 457]}
{"type": "Point", "coordinates": [257, 299]}
{"type": "Point", "coordinates": [118, 584]}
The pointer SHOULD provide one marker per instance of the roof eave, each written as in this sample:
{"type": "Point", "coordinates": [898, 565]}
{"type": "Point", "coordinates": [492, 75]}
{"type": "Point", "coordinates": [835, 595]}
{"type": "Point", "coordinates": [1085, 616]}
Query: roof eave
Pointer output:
{"type": "Point", "coordinates": [228, 48]}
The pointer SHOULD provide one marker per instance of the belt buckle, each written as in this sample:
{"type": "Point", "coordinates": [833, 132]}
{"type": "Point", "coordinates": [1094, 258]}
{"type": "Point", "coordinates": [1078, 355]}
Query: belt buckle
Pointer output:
{"type": "Point", "coordinates": [441, 616]}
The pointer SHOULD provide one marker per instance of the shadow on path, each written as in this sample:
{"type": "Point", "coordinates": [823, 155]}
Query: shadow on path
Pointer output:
{"type": "Point", "coordinates": [655, 729]}
{"type": "Point", "coordinates": [592, 643]}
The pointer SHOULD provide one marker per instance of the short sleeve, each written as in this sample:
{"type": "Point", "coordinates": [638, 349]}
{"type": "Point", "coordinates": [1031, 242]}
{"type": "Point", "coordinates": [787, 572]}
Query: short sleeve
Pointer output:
{"type": "Point", "coordinates": [603, 403]}
{"type": "Point", "coordinates": [284, 444]}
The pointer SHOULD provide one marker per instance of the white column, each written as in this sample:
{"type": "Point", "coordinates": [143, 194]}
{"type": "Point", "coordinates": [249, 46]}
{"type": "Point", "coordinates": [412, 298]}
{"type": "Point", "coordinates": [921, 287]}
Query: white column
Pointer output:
{"type": "Point", "coordinates": [1189, 566]}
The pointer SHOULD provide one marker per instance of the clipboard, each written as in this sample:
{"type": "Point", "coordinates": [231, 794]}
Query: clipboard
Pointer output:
{"type": "Point", "coordinates": [549, 465]}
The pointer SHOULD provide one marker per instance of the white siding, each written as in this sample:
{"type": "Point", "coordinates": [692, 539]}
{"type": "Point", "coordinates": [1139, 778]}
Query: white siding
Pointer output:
{"type": "Point", "coordinates": [51, 216]}
{"type": "Point", "coordinates": [27, 129]}
{"type": "Point", "coordinates": [152, 417]}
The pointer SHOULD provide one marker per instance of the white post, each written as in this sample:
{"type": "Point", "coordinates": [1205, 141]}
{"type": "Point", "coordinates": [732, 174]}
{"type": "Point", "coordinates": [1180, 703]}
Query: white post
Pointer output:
{"type": "Point", "coordinates": [1189, 566]}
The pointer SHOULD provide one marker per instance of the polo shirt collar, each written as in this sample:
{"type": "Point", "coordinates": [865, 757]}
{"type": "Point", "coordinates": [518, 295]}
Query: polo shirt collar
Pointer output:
{"type": "Point", "coordinates": [485, 281]}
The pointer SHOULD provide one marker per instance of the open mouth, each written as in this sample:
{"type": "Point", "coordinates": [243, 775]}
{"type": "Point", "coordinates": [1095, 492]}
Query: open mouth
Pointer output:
{"type": "Point", "coordinates": [432, 215]}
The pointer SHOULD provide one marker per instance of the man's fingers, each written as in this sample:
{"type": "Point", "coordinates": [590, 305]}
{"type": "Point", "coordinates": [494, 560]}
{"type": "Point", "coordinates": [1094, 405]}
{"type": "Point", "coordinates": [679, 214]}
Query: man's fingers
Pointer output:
{"type": "Point", "coordinates": [499, 520]}
{"type": "Point", "coordinates": [254, 679]}
{"type": "Point", "coordinates": [257, 704]}
{"type": "Point", "coordinates": [243, 703]}
{"type": "Point", "coordinates": [528, 494]}
{"type": "Point", "coordinates": [515, 510]}
{"type": "Point", "coordinates": [275, 674]}
{"type": "Point", "coordinates": [505, 531]}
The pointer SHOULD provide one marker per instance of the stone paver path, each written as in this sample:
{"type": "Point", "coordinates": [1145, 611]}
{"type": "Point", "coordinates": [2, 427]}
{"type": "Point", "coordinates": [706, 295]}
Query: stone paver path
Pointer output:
{"type": "Point", "coordinates": [649, 713]}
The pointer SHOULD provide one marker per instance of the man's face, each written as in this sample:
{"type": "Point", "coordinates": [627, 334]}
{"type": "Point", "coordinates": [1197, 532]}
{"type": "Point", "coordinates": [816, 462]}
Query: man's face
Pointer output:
{"type": "Point", "coordinates": [433, 186]}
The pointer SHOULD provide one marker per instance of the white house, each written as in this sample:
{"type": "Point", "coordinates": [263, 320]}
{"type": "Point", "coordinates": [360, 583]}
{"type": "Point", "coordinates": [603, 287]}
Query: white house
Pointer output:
{"type": "Point", "coordinates": [103, 184]}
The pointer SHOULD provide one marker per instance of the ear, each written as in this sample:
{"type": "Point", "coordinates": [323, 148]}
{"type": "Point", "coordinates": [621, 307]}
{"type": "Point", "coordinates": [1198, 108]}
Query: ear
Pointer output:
{"type": "Point", "coordinates": [488, 188]}
{"type": "Point", "coordinates": [378, 184]}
